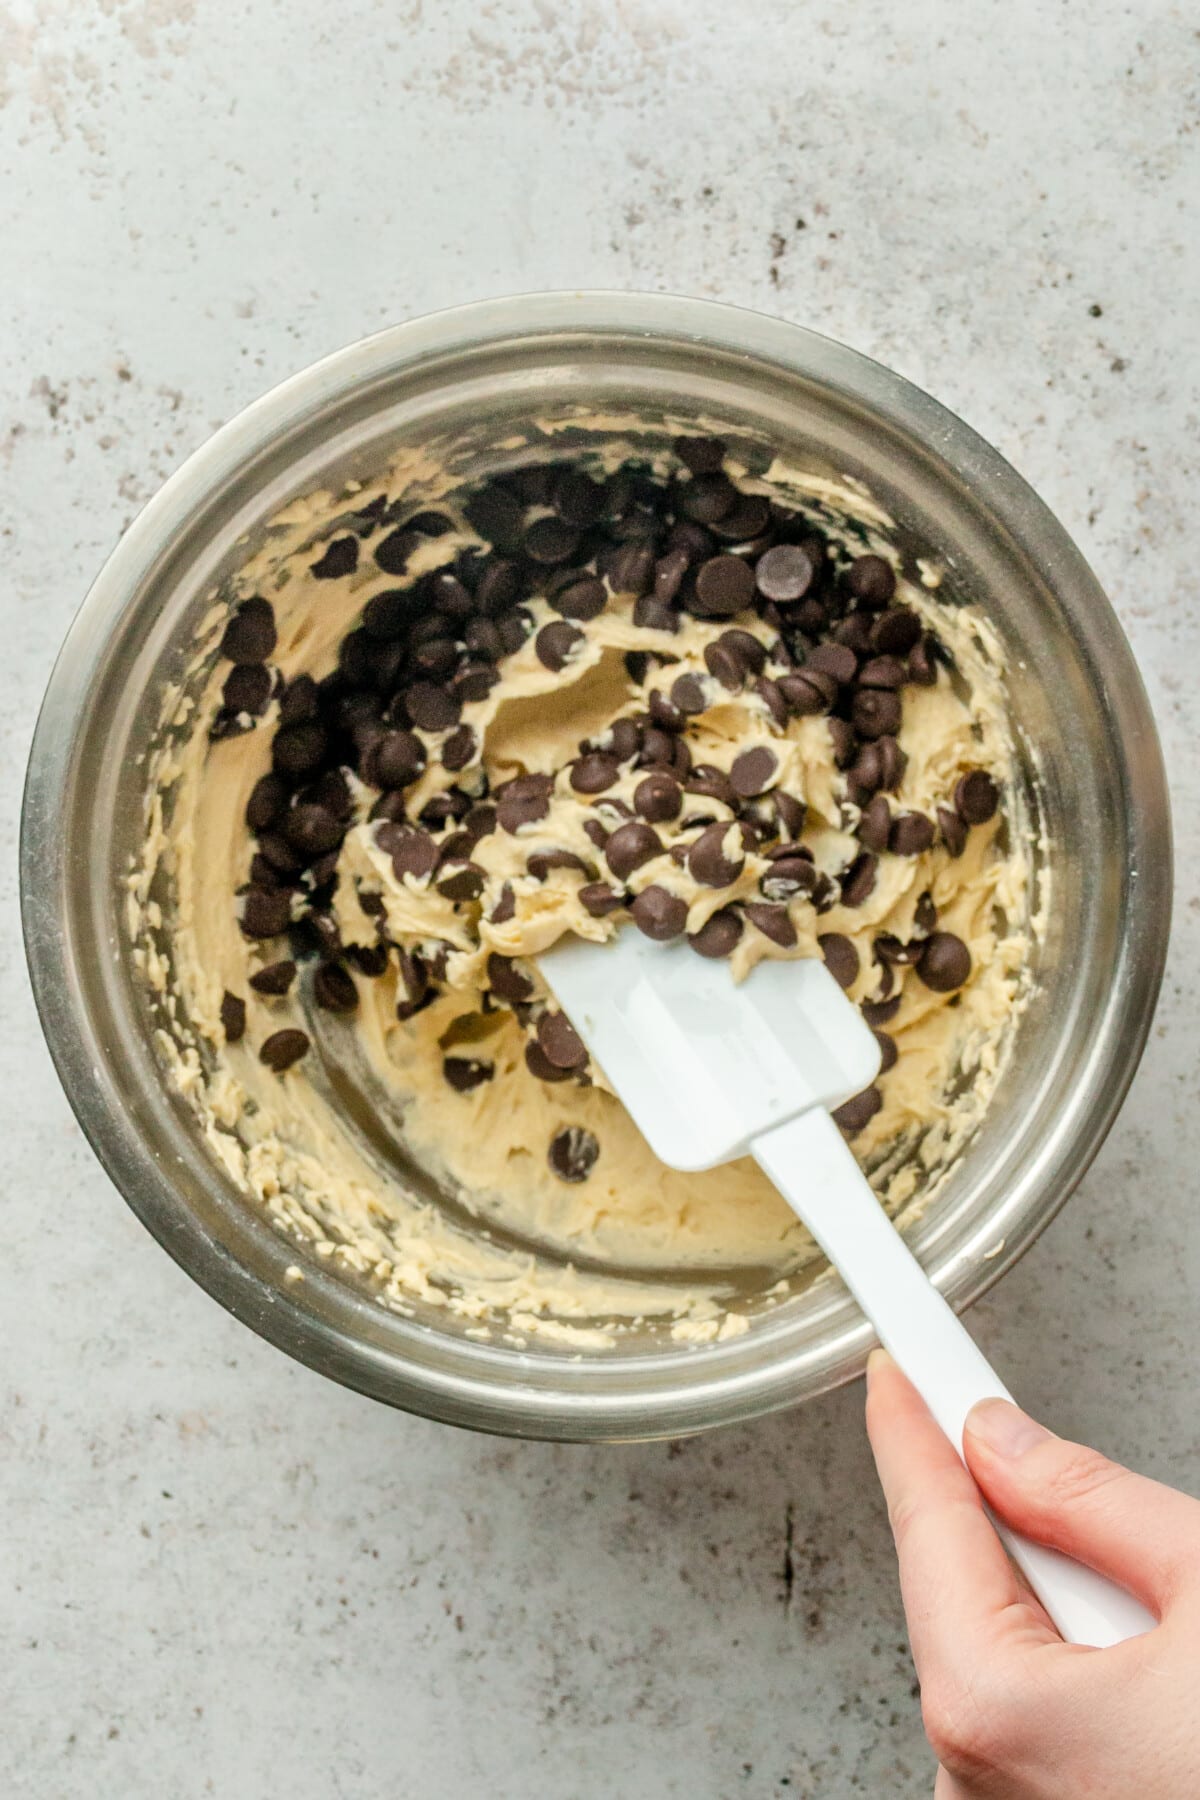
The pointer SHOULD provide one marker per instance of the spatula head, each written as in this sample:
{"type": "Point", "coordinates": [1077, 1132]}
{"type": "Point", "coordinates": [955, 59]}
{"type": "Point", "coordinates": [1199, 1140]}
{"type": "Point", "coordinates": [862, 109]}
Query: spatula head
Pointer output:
{"type": "Point", "coordinates": [702, 1063]}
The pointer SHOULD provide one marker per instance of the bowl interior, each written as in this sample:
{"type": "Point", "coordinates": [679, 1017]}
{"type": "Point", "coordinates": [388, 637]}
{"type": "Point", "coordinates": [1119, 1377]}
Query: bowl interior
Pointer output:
{"type": "Point", "coordinates": [1085, 747]}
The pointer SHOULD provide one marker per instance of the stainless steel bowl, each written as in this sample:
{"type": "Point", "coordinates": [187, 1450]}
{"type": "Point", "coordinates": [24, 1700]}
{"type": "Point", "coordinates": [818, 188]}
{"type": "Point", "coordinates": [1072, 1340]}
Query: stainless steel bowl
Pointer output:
{"type": "Point", "coordinates": [1076, 695]}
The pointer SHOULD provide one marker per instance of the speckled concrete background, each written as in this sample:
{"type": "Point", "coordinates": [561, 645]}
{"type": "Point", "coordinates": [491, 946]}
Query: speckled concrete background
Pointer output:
{"type": "Point", "coordinates": [228, 1577]}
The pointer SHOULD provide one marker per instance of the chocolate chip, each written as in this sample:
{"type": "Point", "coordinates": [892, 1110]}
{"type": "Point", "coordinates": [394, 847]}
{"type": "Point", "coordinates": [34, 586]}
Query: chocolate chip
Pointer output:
{"type": "Point", "coordinates": [876, 712]}
{"type": "Point", "coordinates": [369, 959]}
{"type": "Point", "coordinates": [892, 762]}
{"type": "Point", "coordinates": [858, 883]}
{"type": "Point", "coordinates": [711, 783]}
{"type": "Point", "coordinates": [719, 935]}
{"type": "Point", "coordinates": [459, 749]}
{"type": "Point", "coordinates": [430, 524]}
{"type": "Point", "coordinates": [312, 830]}
{"type": "Point", "coordinates": [881, 1012]}
{"type": "Point", "coordinates": [499, 586]}
{"type": "Point", "coordinates": [594, 773]}
{"type": "Point", "coordinates": [874, 828]}
{"type": "Point", "coordinates": [652, 614]}
{"type": "Point", "coordinates": [584, 599]}
{"type": "Point", "coordinates": [922, 666]}
{"type": "Point", "coordinates": [724, 586]}
{"type": "Point", "coordinates": [341, 558]}
{"type": "Point", "coordinates": [728, 668]}
{"type": "Point", "coordinates": [859, 1111]}
{"type": "Point", "coordinates": [658, 914]}
{"type": "Point", "coordinates": [505, 979]}
{"type": "Point", "coordinates": [543, 863]}
{"type": "Point", "coordinates": [577, 499]}
{"type": "Point", "coordinates": [707, 497]}
{"type": "Point", "coordinates": [265, 914]}
{"type": "Point", "coordinates": [791, 813]}
{"type": "Point", "coordinates": [497, 515]}
{"type": "Point", "coordinates": [460, 880]}
{"type": "Point", "coordinates": [658, 798]}
{"type": "Point", "coordinates": [299, 750]}
{"type": "Point", "coordinates": [772, 697]}
{"type": "Point", "coordinates": [911, 834]}
{"type": "Point", "coordinates": [250, 635]}
{"type": "Point", "coordinates": [896, 631]}
{"type": "Point", "coordinates": [464, 1073]}
{"type": "Point", "coordinates": [522, 801]}
{"type": "Point", "coordinates": [435, 657]}
{"type": "Point", "coordinates": [392, 552]}
{"type": "Point", "coordinates": [334, 989]}
{"type": "Point", "coordinates": [789, 876]}
{"type": "Point", "coordinates": [557, 644]}
{"type": "Point", "coordinates": [630, 846]}
{"type": "Point", "coordinates": [883, 672]}
{"type": "Point", "coordinates": [976, 797]}
{"type": "Point", "coordinates": [550, 542]}
{"type": "Point", "coordinates": [747, 519]}
{"type": "Point", "coordinates": [783, 574]}
{"type": "Point", "coordinates": [595, 832]}
{"type": "Point", "coordinates": [871, 581]}
{"type": "Point", "coordinates": [505, 907]}
{"type": "Point", "coordinates": [599, 900]}
{"type": "Point", "coordinates": [279, 854]}
{"type": "Point", "coordinates": [889, 1055]}
{"type": "Point", "coordinates": [539, 1064]}
{"type": "Point", "coordinates": [412, 850]}
{"type": "Point", "coordinates": [631, 570]}
{"type": "Point", "coordinates": [473, 681]}
{"type": "Point", "coordinates": [573, 1153]}
{"type": "Point", "coordinates": [247, 688]}
{"type": "Point", "coordinates": [394, 760]}
{"type": "Point", "coordinates": [283, 1048]}
{"type": "Point", "coordinates": [715, 859]}
{"type": "Point", "coordinates": [808, 691]}
{"type": "Point", "coordinates": [702, 455]}
{"type": "Point", "coordinates": [925, 917]}
{"type": "Point", "coordinates": [890, 950]}
{"type": "Point", "coordinates": [560, 1041]}
{"type": "Point", "coordinates": [669, 572]}
{"type": "Point", "coordinates": [233, 1017]}
{"type": "Point", "coordinates": [841, 957]}
{"type": "Point", "coordinates": [855, 632]}
{"type": "Point", "coordinates": [773, 921]}
{"type": "Point", "coordinates": [944, 963]}
{"type": "Point", "coordinates": [268, 797]}
{"type": "Point", "coordinates": [835, 660]}
{"type": "Point", "coordinates": [954, 831]}
{"type": "Point", "coordinates": [688, 694]}
{"type": "Point", "coordinates": [753, 771]}
{"type": "Point", "coordinates": [432, 707]}
{"type": "Point", "coordinates": [749, 650]}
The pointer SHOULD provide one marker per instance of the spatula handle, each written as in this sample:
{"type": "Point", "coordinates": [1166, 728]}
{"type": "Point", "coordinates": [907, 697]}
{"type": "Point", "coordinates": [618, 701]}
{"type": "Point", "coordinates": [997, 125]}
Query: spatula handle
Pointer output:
{"type": "Point", "coordinates": [813, 1168]}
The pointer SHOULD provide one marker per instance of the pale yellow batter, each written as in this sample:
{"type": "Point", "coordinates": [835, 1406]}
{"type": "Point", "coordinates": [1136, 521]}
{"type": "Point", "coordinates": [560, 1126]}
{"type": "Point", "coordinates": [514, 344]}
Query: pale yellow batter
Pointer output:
{"type": "Point", "coordinates": [286, 1139]}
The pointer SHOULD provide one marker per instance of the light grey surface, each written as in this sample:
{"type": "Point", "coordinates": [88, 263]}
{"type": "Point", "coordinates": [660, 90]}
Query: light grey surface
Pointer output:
{"type": "Point", "coordinates": [228, 1576]}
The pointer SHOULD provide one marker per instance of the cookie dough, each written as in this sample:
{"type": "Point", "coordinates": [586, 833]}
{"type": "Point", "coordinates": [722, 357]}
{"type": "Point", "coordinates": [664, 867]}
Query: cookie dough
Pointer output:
{"type": "Point", "coordinates": [391, 1081]}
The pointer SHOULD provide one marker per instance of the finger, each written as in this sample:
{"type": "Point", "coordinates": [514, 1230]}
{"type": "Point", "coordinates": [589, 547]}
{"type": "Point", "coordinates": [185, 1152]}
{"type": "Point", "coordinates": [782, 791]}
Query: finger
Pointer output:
{"type": "Point", "coordinates": [1145, 1536]}
{"type": "Point", "coordinates": [960, 1591]}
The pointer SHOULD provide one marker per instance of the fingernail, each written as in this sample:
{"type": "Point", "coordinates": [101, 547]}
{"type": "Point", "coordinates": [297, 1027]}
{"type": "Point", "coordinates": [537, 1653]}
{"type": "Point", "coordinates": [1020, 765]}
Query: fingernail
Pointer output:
{"type": "Point", "coordinates": [877, 1362]}
{"type": "Point", "coordinates": [1004, 1428]}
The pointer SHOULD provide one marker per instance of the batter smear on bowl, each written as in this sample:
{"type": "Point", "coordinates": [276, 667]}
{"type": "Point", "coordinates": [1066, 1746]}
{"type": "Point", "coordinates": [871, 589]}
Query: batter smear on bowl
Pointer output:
{"type": "Point", "coordinates": [436, 727]}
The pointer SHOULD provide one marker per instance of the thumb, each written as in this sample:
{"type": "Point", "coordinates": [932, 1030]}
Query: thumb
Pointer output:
{"type": "Point", "coordinates": [1141, 1534]}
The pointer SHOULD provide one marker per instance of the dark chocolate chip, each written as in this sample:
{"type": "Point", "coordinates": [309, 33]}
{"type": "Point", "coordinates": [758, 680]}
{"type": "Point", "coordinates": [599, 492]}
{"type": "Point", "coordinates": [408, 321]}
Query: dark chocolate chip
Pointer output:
{"type": "Point", "coordinates": [875, 826]}
{"type": "Point", "coordinates": [876, 712]}
{"type": "Point", "coordinates": [550, 542]}
{"type": "Point", "coordinates": [466, 1072]}
{"type": "Point", "coordinates": [859, 1111]}
{"type": "Point", "coordinates": [747, 520]}
{"type": "Point", "coordinates": [858, 883]}
{"type": "Point", "coordinates": [431, 707]}
{"type": "Point", "coordinates": [891, 950]}
{"type": "Point", "coordinates": [301, 701]}
{"type": "Point", "coordinates": [790, 812]}
{"type": "Point", "coordinates": [773, 921]}
{"type": "Point", "coordinates": [753, 771]}
{"type": "Point", "coordinates": [944, 963]}
{"type": "Point", "coordinates": [711, 783]}
{"type": "Point", "coordinates": [881, 1012]}
{"type": "Point", "coordinates": [557, 643]}
{"type": "Point", "coordinates": [584, 599]}
{"type": "Point", "coordinates": [369, 959]}
{"type": "Point", "coordinates": [460, 880]}
{"type": "Point", "coordinates": [393, 551]}
{"type": "Point", "coordinates": [497, 515]}
{"type": "Point", "coordinates": [505, 907]}
{"type": "Point", "coordinates": [707, 497]}
{"type": "Point", "coordinates": [658, 798]}
{"type": "Point", "coordinates": [719, 935]}
{"type": "Point", "coordinates": [265, 914]}
{"type": "Point", "coordinates": [268, 797]}
{"type": "Point", "coordinates": [594, 773]}
{"type": "Point", "coordinates": [522, 801]}
{"type": "Point", "coordinates": [412, 850]}
{"type": "Point", "coordinates": [889, 1055]}
{"type": "Point", "coordinates": [539, 1064]}
{"type": "Point", "coordinates": [652, 614]}
{"type": "Point", "coordinates": [435, 658]}
{"type": "Point", "coordinates": [312, 829]}
{"type": "Point", "coordinates": [925, 917]}
{"type": "Point", "coordinates": [598, 899]}
{"type": "Point", "coordinates": [658, 914]}
{"type": "Point", "coordinates": [430, 524]}
{"type": "Point", "coordinates": [954, 831]}
{"type": "Point", "coordinates": [773, 698]}
{"type": "Point", "coordinates": [724, 586]}
{"type": "Point", "coordinates": [283, 1048]}
{"type": "Point", "coordinates": [688, 694]}
{"type": "Point", "coordinates": [631, 569]}
{"type": "Point", "coordinates": [459, 749]}
{"type": "Point", "coordinates": [669, 572]}
{"type": "Point", "coordinates": [976, 797]}
{"type": "Point", "coordinates": [883, 672]}
{"type": "Point", "coordinates": [233, 1017]}
{"type": "Point", "coordinates": [630, 846]}
{"type": "Point", "coordinates": [708, 860]}
{"type": "Point", "coordinates": [789, 876]}
{"type": "Point", "coordinates": [573, 1153]}
{"type": "Point", "coordinates": [299, 750]}
{"type": "Point", "coordinates": [394, 760]}
{"type": "Point", "coordinates": [871, 581]}
{"type": "Point", "coordinates": [835, 660]}
{"type": "Point", "coordinates": [473, 681]}
{"type": "Point", "coordinates": [507, 980]}
{"type": "Point", "coordinates": [250, 634]}
{"type": "Point", "coordinates": [499, 587]}
{"type": "Point", "coordinates": [841, 958]}
{"type": "Point", "coordinates": [247, 688]}
{"type": "Point", "coordinates": [783, 574]}
{"type": "Point", "coordinates": [334, 989]}
{"type": "Point", "coordinates": [701, 455]}
{"type": "Point", "coordinates": [543, 863]}
{"type": "Point", "coordinates": [911, 834]}
{"type": "Point", "coordinates": [578, 500]}
{"type": "Point", "coordinates": [560, 1041]}
{"type": "Point", "coordinates": [341, 558]}
{"type": "Point", "coordinates": [855, 632]}
{"type": "Point", "coordinates": [482, 638]}
{"type": "Point", "coordinates": [922, 664]}
{"type": "Point", "coordinates": [808, 691]}
{"type": "Point", "coordinates": [894, 632]}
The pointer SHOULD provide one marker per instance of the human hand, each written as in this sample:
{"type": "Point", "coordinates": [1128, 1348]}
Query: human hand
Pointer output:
{"type": "Point", "coordinates": [1012, 1712]}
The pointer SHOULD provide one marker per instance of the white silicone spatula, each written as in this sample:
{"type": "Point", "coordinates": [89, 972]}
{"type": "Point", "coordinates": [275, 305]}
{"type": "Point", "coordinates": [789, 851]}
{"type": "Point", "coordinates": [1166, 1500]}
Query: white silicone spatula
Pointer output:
{"type": "Point", "coordinates": [710, 1069]}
